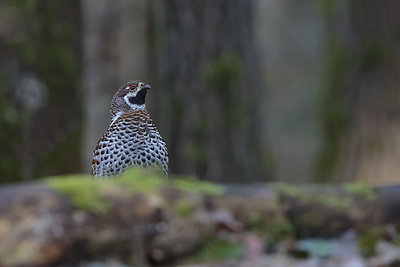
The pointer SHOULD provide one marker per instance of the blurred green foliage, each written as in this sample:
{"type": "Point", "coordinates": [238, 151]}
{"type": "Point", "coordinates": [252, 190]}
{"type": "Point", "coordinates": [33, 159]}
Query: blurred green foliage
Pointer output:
{"type": "Point", "coordinates": [224, 76]}
{"type": "Point", "coordinates": [361, 189]}
{"type": "Point", "coordinates": [273, 230]}
{"type": "Point", "coordinates": [184, 208]}
{"type": "Point", "coordinates": [352, 56]}
{"type": "Point", "coordinates": [47, 44]}
{"type": "Point", "coordinates": [335, 110]}
{"type": "Point", "coordinates": [329, 200]}
{"type": "Point", "coordinates": [11, 125]}
{"type": "Point", "coordinates": [83, 192]}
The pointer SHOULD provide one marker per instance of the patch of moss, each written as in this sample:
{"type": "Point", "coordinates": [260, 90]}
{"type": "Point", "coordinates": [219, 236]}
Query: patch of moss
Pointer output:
{"type": "Point", "coordinates": [218, 249]}
{"type": "Point", "coordinates": [83, 191]}
{"type": "Point", "coordinates": [88, 194]}
{"type": "Point", "coordinates": [191, 185]}
{"type": "Point", "coordinates": [184, 208]}
{"type": "Point", "coordinates": [368, 241]}
{"type": "Point", "coordinates": [276, 230]}
{"type": "Point", "coordinates": [142, 180]}
{"type": "Point", "coordinates": [361, 189]}
{"type": "Point", "coordinates": [272, 224]}
{"type": "Point", "coordinates": [333, 201]}
{"type": "Point", "coordinates": [291, 190]}
{"type": "Point", "coordinates": [279, 230]}
{"type": "Point", "coordinates": [148, 180]}
{"type": "Point", "coordinates": [330, 200]}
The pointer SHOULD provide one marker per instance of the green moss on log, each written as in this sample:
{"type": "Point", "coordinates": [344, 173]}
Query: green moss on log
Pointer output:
{"type": "Point", "coordinates": [89, 194]}
{"type": "Point", "coordinates": [291, 190]}
{"type": "Point", "coordinates": [84, 192]}
{"type": "Point", "coordinates": [184, 209]}
{"type": "Point", "coordinates": [218, 249]}
{"type": "Point", "coordinates": [368, 241]}
{"type": "Point", "coordinates": [361, 189]}
{"type": "Point", "coordinates": [330, 200]}
{"type": "Point", "coordinates": [140, 180]}
{"type": "Point", "coordinates": [272, 230]}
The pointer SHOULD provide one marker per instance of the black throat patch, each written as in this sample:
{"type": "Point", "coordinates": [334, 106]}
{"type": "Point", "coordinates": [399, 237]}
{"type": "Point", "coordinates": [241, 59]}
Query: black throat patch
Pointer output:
{"type": "Point", "coordinates": [139, 99]}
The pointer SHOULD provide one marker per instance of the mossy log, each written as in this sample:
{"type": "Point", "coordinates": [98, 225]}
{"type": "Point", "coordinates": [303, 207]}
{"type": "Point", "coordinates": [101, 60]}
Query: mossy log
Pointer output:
{"type": "Point", "coordinates": [143, 218]}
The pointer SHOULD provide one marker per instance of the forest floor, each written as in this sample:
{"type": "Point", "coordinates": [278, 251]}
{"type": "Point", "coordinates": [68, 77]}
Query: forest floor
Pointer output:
{"type": "Point", "coordinates": [348, 250]}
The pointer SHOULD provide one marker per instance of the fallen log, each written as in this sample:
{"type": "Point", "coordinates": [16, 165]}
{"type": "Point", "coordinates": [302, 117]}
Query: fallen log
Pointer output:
{"type": "Point", "coordinates": [143, 218]}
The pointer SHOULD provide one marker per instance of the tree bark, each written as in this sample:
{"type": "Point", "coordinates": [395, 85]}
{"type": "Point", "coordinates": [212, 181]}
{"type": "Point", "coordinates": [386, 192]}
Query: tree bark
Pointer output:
{"type": "Point", "coordinates": [208, 83]}
{"type": "Point", "coordinates": [100, 77]}
{"type": "Point", "coordinates": [360, 109]}
{"type": "Point", "coordinates": [115, 52]}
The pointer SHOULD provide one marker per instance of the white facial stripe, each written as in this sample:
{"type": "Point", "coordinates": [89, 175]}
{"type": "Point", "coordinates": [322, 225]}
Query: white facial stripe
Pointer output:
{"type": "Point", "coordinates": [130, 94]}
{"type": "Point", "coordinates": [116, 117]}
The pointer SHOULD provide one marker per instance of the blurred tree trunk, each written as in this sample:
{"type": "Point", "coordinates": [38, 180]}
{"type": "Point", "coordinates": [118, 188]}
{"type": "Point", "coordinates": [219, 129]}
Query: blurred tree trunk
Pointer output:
{"type": "Point", "coordinates": [100, 68]}
{"type": "Point", "coordinates": [208, 88]}
{"type": "Point", "coordinates": [362, 100]}
{"type": "Point", "coordinates": [115, 52]}
{"type": "Point", "coordinates": [290, 37]}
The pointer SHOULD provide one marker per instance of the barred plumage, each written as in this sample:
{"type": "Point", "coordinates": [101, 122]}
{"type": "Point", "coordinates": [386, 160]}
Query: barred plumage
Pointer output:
{"type": "Point", "coordinates": [132, 139]}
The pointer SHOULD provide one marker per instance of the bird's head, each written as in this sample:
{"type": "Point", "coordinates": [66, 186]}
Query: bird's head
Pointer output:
{"type": "Point", "coordinates": [130, 96]}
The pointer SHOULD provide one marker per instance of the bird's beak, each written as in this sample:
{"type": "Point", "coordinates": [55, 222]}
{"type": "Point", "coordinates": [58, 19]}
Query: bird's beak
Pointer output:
{"type": "Point", "coordinates": [147, 86]}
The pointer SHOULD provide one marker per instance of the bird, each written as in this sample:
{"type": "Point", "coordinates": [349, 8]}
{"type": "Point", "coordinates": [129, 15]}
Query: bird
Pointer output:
{"type": "Point", "coordinates": [132, 138]}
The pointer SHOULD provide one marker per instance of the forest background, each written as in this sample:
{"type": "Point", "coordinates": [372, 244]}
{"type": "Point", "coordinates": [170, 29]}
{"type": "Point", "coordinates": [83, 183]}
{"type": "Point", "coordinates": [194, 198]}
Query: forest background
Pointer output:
{"type": "Point", "coordinates": [242, 91]}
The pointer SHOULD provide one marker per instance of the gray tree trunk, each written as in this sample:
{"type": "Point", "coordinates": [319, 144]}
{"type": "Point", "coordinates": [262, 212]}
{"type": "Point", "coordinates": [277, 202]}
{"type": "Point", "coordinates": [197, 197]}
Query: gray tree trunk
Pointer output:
{"type": "Point", "coordinates": [361, 117]}
{"type": "Point", "coordinates": [290, 36]}
{"type": "Point", "coordinates": [209, 88]}
{"type": "Point", "coordinates": [115, 51]}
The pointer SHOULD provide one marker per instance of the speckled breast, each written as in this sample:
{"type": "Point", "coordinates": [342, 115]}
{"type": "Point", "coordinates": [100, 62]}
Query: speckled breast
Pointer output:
{"type": "Point", "coordinates": [131, 140]}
